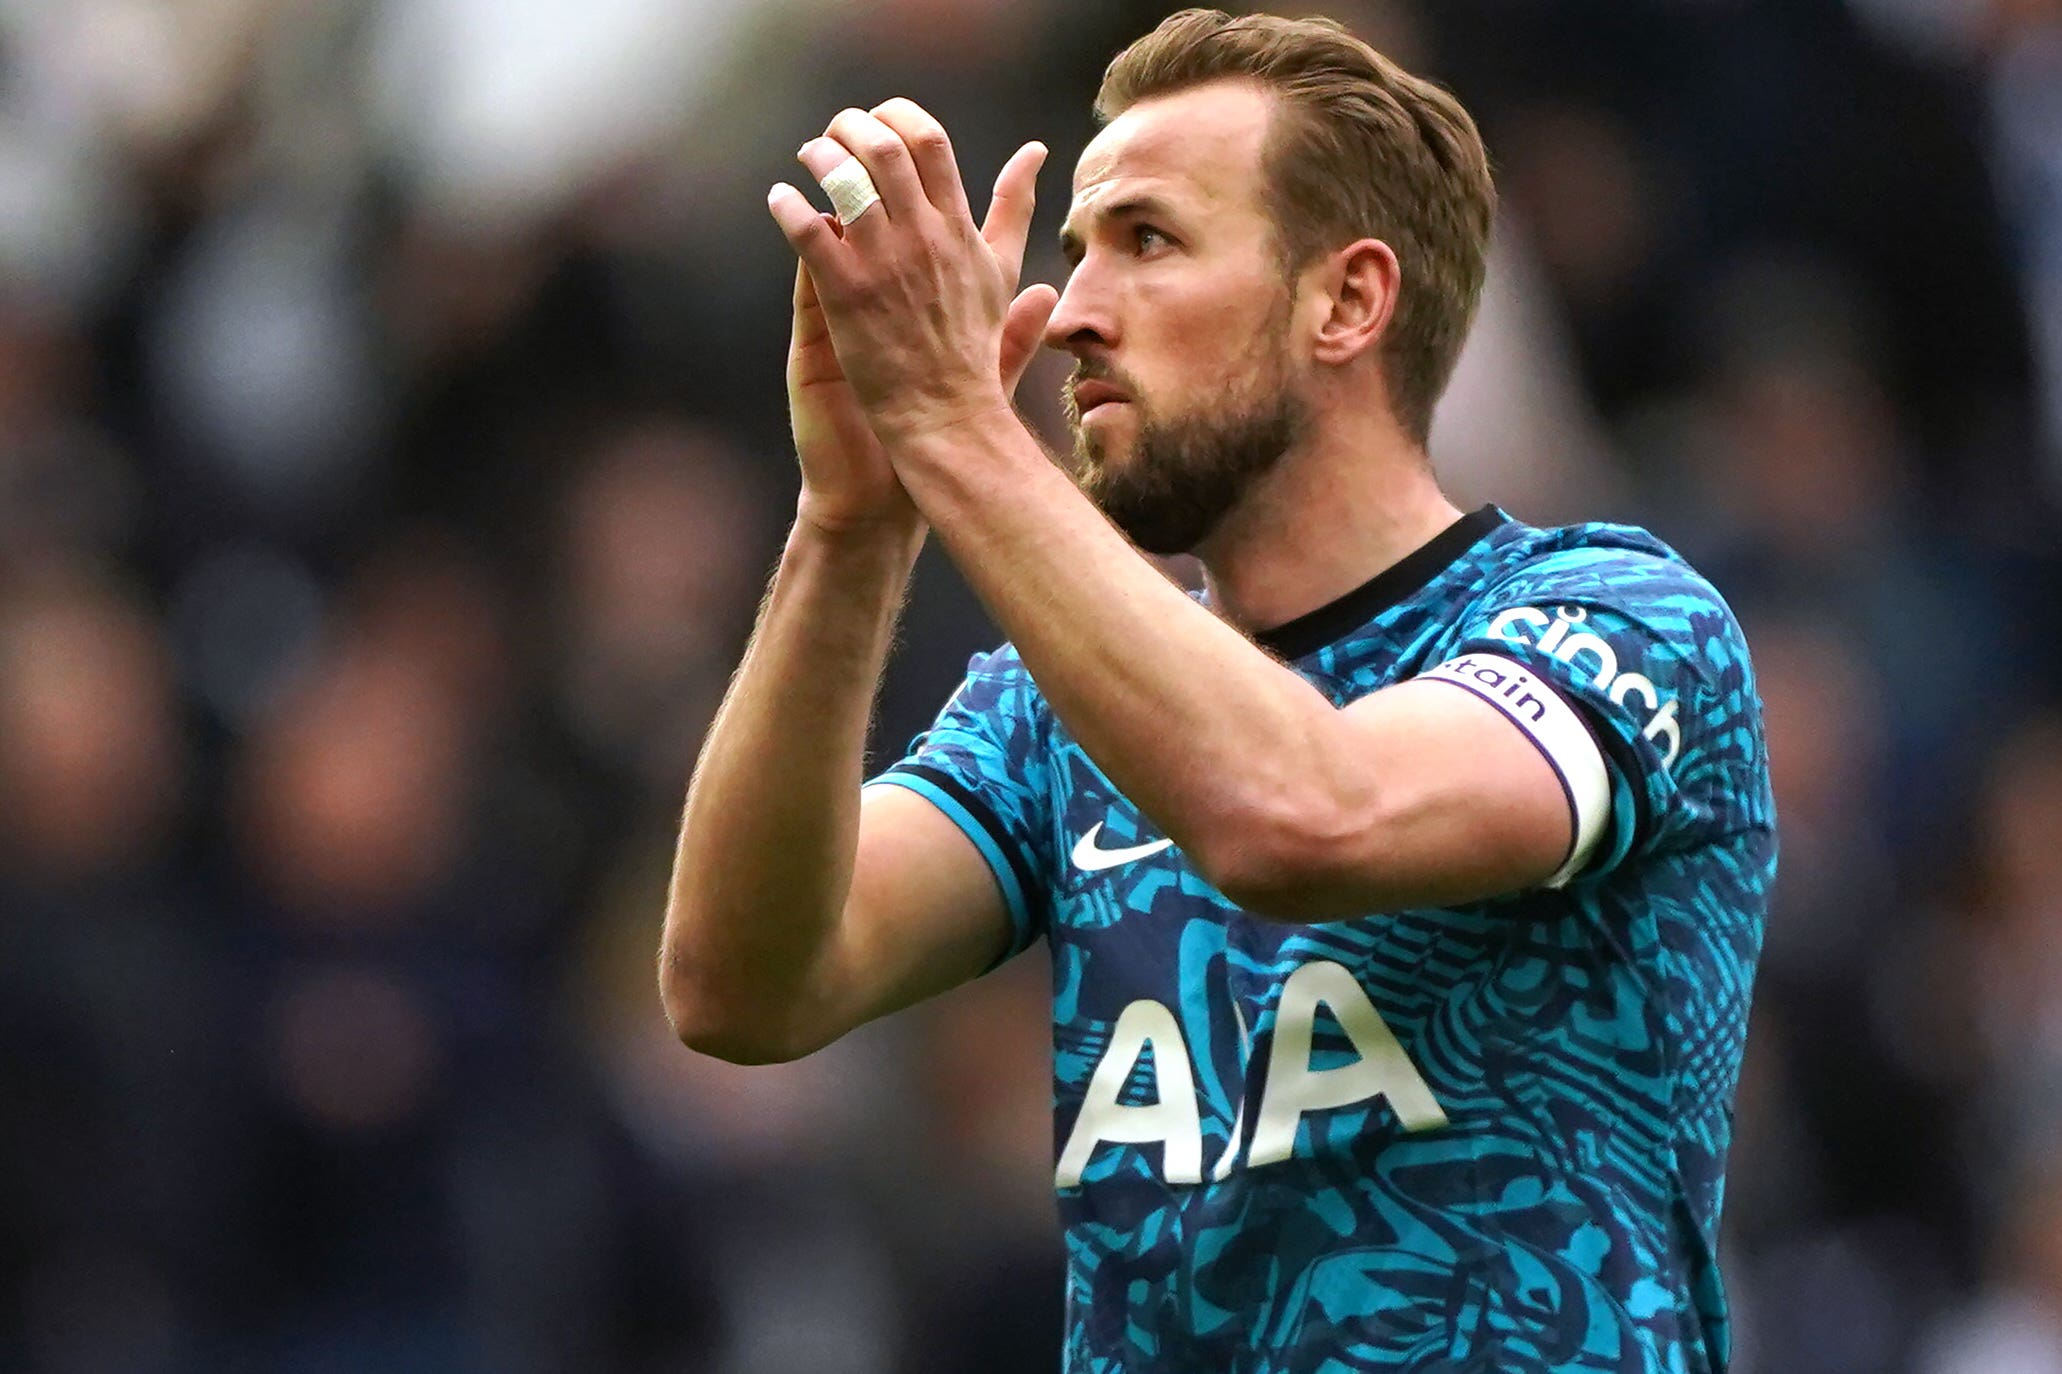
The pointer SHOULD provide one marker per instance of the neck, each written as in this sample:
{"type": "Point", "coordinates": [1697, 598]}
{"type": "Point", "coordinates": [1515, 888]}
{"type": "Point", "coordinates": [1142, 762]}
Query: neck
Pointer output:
{"type": "Point", "coordinates": [1338, 509]}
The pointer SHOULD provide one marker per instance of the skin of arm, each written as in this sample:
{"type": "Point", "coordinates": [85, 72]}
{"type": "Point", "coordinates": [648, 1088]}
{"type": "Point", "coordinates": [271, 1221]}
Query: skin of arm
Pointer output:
{"type": "Point", "coordinates": [773, 943]}
{"type": "Point", "coordinates": [1415, 795]}
{"type": "Point", "coordinates": [799, 908]}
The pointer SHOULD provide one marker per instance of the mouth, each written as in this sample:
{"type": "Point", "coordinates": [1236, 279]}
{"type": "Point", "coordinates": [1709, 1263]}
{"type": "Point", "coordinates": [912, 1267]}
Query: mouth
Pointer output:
{"type": "Point", "coordinates": [1090, 396]}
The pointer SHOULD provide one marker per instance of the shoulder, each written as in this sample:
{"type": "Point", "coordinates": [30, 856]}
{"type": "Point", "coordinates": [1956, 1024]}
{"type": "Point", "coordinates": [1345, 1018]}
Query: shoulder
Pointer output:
{"type": "Point", "coordinates": [1599, 559]}
{"type": "Point", "coordinates": [1002, 666]}
{"type": "Point", "coordinates": [998, 684]}
{"type": "Point", "coordinates": [1625, 629]}
{"type": "Point", "coordinates": [993, 731]}
{"type": "Point", "coordinates": [1619, 568]}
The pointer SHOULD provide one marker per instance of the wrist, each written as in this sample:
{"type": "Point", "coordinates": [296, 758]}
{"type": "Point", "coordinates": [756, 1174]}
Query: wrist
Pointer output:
{"type": "Point", "coordinates": [977, 446]}
{"type": "Point", "coordinates": [942, 418]}
{"type": "Point", "coordinates": [895, 529]}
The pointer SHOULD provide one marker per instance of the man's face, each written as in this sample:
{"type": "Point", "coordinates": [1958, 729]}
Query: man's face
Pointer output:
{"type": "Point", "coordinates": [1188, 383]}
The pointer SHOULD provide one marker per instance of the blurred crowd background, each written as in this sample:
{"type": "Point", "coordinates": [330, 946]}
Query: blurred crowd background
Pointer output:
{"type": "Point", "coordinates": [392, 450]}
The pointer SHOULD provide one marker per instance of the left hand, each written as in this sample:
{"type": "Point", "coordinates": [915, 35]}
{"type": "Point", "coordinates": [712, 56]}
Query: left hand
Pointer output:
{"type": "Point", "coordinates": [919, 301]}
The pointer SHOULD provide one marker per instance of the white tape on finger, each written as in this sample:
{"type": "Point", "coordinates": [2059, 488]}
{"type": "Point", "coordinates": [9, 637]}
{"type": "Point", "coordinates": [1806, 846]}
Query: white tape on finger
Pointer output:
{"type": "Point", "coordinates": [851, 190]}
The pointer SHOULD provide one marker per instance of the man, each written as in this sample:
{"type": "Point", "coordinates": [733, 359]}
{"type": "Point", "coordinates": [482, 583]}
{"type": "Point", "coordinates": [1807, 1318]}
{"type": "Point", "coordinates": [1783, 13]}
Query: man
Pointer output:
{"type": "Point", "coordinates": [1403, 891]}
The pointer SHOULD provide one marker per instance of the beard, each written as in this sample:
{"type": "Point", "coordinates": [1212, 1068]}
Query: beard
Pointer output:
{"type": "Point", "coordinates": [1186, 472]}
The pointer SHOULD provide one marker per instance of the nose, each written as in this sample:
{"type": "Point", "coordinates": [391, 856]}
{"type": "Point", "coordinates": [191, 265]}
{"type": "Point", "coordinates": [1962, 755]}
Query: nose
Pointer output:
{"type": "Point", "coordinates": [1085, 318]}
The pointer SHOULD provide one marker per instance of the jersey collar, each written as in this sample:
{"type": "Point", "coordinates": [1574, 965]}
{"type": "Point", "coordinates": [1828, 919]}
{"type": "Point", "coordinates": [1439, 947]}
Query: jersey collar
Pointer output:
{"type": "Point", "coordinates": [1308, 633]}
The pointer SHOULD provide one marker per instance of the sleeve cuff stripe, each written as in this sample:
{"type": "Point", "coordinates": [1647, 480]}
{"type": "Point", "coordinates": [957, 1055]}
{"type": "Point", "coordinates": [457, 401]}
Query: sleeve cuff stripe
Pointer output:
{"type": "Point", "coordinates": [970, 814]}
{"type": "Point", "coordinates": [1556, 729]}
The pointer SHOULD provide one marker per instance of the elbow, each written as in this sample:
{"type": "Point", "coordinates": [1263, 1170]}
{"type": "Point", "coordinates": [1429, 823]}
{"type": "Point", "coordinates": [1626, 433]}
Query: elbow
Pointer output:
{"type": "Point", "coordinates": [728, 1040]}
{"type": "Point", "coordinates": [1262, 884]}
{"type": "Point", "coordinates": [1293, 864]}
{"type": "Point", "coordinates": [741, 1040]}
{"type": "Point", "coordinates": [745, 1051]}
{"type": "Point", "coordinates": [723, 1026]}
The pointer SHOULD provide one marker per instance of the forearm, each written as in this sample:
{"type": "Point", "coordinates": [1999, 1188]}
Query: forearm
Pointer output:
{"type": "Point", "coordinates": [1221, 745]}
{"type": "Point", "coordinates": [764, 862]}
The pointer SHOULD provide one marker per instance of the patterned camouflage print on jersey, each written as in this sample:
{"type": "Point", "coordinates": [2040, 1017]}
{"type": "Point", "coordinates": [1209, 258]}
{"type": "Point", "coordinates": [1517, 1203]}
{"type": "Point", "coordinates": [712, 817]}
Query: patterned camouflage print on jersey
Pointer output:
{"type": "Point", "coordinates": [1491, 1137]}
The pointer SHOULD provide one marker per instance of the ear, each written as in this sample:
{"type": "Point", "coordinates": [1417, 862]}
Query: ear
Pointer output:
{"type": "Point", "coordinates": [1360, 283]}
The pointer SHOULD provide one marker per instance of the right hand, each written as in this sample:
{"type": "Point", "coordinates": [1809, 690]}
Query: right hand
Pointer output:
{"type": "Point", "coordinates": [847, 480]}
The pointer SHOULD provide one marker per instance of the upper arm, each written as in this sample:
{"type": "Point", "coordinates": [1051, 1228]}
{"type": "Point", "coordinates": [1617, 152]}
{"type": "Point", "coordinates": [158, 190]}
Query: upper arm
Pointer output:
{"type": "Point", "coordinates": [1476, 799]}
{"type": "Point", "coordinates": [951, 843]}
{"type": "Point", "coordinates": [1445, 801]}
{"type": "Point", "coordinates": [1594, 707]}
{"type": "Point", "coordinates": [924, 914]}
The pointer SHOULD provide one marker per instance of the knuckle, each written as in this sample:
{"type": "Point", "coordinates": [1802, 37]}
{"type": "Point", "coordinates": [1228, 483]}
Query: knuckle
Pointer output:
{"type": "Point", "coordinates": [862, 290]}
{"type": "Point", "coordinates": [911, 118]}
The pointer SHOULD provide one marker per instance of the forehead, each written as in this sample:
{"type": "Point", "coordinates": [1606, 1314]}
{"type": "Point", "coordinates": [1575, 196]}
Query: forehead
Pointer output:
{"type": "Point", "coordinates": [1200, 148]}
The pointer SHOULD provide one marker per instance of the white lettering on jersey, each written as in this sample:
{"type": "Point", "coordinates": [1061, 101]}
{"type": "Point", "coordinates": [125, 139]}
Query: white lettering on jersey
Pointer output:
{"type": "Point", "coordinates": [1171, 1120]}
{"type": "Point", "coordinates": [1563, 639]}
{"type": "Point", "coordinates": [1221, 1171]}
{"type": "Point", "coordinates": [1294, 1088]}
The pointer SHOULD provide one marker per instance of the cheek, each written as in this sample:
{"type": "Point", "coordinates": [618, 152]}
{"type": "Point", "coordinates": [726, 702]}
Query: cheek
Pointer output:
{"type": "Point", "coordinates": [1199, 338]}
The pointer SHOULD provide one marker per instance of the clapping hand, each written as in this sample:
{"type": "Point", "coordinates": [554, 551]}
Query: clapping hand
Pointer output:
{"type": "Point", "coordinates": [908, 319]}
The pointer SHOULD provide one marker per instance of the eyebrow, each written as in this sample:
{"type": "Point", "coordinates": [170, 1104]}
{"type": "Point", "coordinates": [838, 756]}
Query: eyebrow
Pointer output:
{"type": "Point", "coordinates": [1143, 205]}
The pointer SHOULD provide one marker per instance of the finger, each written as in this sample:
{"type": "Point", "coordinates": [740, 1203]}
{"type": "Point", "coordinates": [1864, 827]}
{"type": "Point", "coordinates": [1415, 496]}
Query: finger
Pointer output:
{"type": "Point", "coordinates": [844, 179]}
{"type": "Point", "coordinates": [815, 242]}
{"type": "Point", "coordinates": [1008, 225]}
{"type": "Point", "coordinates": [1023, 329]}
{"type": "Point", "coordinates": [805, 285]}
{"type": "Point", "coordinates": [881, 151]}
{"type": "Point", "coordinates": [930, 150]}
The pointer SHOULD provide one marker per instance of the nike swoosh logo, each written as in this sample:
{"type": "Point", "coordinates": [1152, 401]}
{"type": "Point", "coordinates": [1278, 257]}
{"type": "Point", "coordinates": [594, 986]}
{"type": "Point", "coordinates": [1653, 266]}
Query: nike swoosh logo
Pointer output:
{"type": "Point", "coordinates": [1088, 858]}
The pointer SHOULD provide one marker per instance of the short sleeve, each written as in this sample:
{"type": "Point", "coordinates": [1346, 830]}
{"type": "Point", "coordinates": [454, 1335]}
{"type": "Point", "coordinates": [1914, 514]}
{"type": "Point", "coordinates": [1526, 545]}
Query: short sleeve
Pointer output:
{"type": "Point", "coordinates": [1654, 666]}
{"type": "Point", "coordinates": [983, 764]}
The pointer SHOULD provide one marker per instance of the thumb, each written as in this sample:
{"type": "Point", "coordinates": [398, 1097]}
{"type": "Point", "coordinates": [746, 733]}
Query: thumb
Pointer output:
{"type": "Point", "coordinates": [810, 328]}
{"type": "Point", "coordinates": [1024, 329]}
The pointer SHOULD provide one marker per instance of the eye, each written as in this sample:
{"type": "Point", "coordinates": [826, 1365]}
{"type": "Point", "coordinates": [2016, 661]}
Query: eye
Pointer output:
{"type": "Point", "coordinates": [1149, 239]}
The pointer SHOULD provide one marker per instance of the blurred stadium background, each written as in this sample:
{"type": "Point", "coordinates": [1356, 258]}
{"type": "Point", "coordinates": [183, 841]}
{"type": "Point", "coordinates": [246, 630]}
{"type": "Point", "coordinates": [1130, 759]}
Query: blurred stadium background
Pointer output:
{"type": "Point", "coordinates": [391, 452]}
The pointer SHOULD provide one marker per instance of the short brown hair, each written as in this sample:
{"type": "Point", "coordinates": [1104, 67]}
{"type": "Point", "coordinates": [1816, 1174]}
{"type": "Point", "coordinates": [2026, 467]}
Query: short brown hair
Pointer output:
{"type": "Point", "coordinates": [1360, 148]}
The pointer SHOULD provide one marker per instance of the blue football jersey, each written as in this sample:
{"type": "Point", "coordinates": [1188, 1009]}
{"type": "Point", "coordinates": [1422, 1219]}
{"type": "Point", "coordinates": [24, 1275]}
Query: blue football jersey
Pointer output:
{"type": "Point", "coordinates": [1481, 1137]}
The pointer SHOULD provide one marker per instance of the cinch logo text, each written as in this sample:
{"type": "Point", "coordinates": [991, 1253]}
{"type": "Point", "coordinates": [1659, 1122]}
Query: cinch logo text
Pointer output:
{"type": "Point", "coordinates": [1566, 642]}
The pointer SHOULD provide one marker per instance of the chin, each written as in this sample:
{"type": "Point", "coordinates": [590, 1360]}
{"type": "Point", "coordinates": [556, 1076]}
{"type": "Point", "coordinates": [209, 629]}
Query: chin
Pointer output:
{"type": "Point", "coordinates": [1087, 460]}
{"type": "Point", "coordinates": [1097, 451]}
